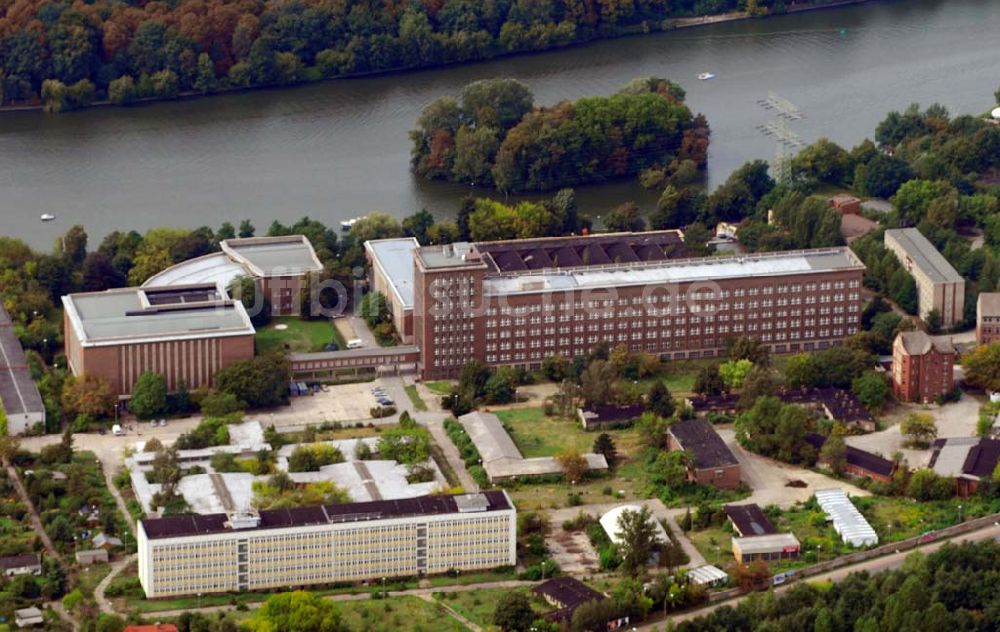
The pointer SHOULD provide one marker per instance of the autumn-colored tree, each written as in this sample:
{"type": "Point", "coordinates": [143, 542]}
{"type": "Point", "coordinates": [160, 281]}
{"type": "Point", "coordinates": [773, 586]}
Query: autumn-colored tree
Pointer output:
{"type": "Point", "coordinates": [89, 395]}
{"type": "Point", "coordinates": [573, 464]}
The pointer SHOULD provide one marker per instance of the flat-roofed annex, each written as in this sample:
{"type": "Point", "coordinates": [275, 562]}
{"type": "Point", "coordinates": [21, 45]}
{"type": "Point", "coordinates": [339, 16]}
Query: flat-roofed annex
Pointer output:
{"type": "Point", "coordinates": [395, 258]}
{"type": "Point", "coordinates": [127, 315]}
{"type": "Point", "coordinates": [290, 255]}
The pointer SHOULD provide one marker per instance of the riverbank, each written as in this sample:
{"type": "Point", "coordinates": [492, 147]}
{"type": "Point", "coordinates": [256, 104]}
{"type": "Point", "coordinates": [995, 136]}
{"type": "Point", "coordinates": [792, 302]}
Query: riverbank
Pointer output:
{"type": "Point", "coordinates": [311, 76]}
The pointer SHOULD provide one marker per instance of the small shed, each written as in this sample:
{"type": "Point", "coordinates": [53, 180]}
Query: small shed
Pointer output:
{"type": "Point", "coordinates": [708, 575]}
{"type": "Point", "coordinates": [102, 541]}
{"type": "Point", "coordinates": [91, 556]}
{"type": "Point", "coordinates": [28, 617]}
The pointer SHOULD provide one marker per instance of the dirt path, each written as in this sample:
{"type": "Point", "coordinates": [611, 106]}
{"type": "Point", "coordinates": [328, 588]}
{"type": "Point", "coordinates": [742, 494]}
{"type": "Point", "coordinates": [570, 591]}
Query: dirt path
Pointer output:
{"type": "Point", "coordinates": [36, 521]}
{"type": "Point", "coordinates": [116, 568]}
{"type": "Point", "coordinates": [57, 607]}
{"type": "Point", "coordinates": [454, 613]}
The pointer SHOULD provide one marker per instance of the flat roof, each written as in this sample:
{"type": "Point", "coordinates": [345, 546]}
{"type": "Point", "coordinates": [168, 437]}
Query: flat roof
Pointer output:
{"type": "Point", "coordinates": [18, 393]}
{"type": "Point", "coordinates": [676, 271]}
{"type": "Point", "coordinates": [749, 519]}
{"type": "Point", "coordinates": [988, 303]}
{"type": "Point", "coordinates": [698, 437]}
{"type": "Point", "coordinates": [924, 255]}
{"type": "Point", "coordinates": [141, 314]}
{"type": "Point", "coordinates": [395, 258]}
{"type": "Point", "coordinates": [215, 268]}
{"type": "Point", "coordinates": [285, 255]}
{"type": "Point", "coordinates": [770, 543]}
{"type": "Point", "coordinates": [458, 254]}
{"type": "Point", "coordinates": [193, 525]}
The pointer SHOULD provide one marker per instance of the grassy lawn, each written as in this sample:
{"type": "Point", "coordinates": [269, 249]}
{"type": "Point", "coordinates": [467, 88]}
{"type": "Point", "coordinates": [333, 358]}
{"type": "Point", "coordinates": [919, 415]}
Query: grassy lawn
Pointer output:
{"type": "Point", "coordinates": [473, 578]}
{"type": "Point", "coordinates": [897, 519]}
{"type": "Point", "coordinates": [477, 605]}
{"type": "Point", "coordinates": [715, 544]}
{"type": "Point", "coordinates": [302, 336]}
{"type": "Point", "coordinates": [88, 577]}
{"type": "Point", "coordinates": [441, 387]}
{"type": "Point", "coordinates": [538, 435]}
{"type": "Point", "coordinates": [397, 613]}
{"type": "Point", "coordinates": [418, 403]}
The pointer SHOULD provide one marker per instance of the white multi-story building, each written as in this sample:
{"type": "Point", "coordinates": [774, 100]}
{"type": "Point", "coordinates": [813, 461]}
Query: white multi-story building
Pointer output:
{"type": "Point", "coordinates": [196, 554]}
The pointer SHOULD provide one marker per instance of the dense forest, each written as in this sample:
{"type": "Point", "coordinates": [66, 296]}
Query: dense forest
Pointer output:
{"type": "Point", "coordinates": [951, 590]}
{"type": "Point", "coordinates": [68, 54]}
{"type": "Point", "coordinates": [496, 136]}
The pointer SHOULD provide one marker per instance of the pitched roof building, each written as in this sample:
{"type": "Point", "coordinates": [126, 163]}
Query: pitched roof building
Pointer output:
{"type": "Point", "coordinates": [859, 462]}
{"type": "Point", "coordinates": [939, 285]}
{"type": "Point", "coordinates": [749, 520]}
{"type": "Point", "coordinates": [713, 461]}
{"type": "Point", "coordinates": [923, 368]}
{"type": "Point", "coordinates": [967, 459]}
{"type": "Point", "coordinates": [567, 594]}
{"type": "Point", "coordinates": [19, 397]}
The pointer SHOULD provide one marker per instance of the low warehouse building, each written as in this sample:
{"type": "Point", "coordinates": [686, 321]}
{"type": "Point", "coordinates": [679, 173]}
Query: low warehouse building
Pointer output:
{"type": "Point", "coordinates": [773, 546]}
{"type": "Point", "coordinates": [714, 463]}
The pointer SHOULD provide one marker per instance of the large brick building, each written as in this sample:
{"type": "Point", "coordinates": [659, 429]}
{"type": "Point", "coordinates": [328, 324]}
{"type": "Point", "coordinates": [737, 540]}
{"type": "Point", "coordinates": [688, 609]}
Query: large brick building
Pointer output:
{"type": "Point", "coordinates": [325, 544]}
{"type": "Point", "coordinates": [279, 264]}
{"type": "Point", "coordinates": [939, 285]}
{"type": "Point", "coordinates": [185, 333]}
{"type": "Point", "coordinates": [517, 302]}
{"type": "Point", "coordinates": [922, 367]}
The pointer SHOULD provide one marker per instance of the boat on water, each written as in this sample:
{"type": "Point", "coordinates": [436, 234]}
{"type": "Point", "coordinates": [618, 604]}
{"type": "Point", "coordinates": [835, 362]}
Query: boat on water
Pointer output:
{"type": "Point", "coordinates": [705, 76]}
{"type": "Point", "coordinates": [348, 224]}
{"type": "Point", "coordinates": [47, 217]}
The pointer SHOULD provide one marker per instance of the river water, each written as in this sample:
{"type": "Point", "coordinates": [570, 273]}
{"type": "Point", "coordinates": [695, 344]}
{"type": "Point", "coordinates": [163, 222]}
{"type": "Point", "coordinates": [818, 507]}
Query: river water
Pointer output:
{"type": "Point", "coordinates": [339, 149]}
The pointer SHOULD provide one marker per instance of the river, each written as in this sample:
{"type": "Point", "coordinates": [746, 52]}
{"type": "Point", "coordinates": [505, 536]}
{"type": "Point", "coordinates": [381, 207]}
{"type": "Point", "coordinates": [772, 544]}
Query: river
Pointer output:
{"type": "Point", "coordinates": [339, 149]}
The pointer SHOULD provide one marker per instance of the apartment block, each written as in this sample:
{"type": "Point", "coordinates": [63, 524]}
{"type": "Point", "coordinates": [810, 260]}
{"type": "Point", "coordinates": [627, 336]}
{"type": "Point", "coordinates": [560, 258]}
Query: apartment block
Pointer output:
{"type": "Point", "coordinates": [185, 333]}
{"type": "Point", "coordinates": [923, 368]}
{"type": "Point", "coordinates": [939, 285]}
{"type": "Point", "coordinates": [516, 302]}
{"type": "Point", "coordinates": [279, 549]}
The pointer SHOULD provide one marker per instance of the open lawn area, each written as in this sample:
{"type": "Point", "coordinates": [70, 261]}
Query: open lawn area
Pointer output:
{"type": "Point", "coordinates": [477, 605]}
{"type": "Point", "coordinates": [538, 435]}
{"type": "Point", "coordinates": [301, 336]}
{"type": "Point", "coordinates": [398, 613]}
{"type": "Point", "coordinates": [415, 399]}
{"type": "Point", "coordinates": [441, 387]}
{"type": "Point", "coordinates": [897, 519]}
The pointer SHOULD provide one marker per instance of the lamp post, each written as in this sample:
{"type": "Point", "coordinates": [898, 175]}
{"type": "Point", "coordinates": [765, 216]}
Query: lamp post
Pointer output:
{"type": "Point", "coordinates": [960, 514]}
{"type": "Point", "coordinates": [383, 588]}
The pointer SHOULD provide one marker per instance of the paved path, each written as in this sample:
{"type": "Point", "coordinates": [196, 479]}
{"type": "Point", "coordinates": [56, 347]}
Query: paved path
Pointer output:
{"type": "Point", "coordinates": [884, 563]}
{"type": "Point", "coordinates": [436, 427]}
{"type": "Point", "coordinates": [116, 568]}
{"type": "Point", "coordinates": [36, 521]}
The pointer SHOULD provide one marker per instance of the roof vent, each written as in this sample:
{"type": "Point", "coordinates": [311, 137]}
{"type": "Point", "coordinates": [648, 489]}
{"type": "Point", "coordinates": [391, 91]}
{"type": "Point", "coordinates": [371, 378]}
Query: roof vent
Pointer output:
{"type": "Point", "coordinates": [243, 520]}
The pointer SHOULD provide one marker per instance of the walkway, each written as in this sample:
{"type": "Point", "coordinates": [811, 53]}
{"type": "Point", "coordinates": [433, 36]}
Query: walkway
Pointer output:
{"type": "Point", "coordinates": [454, 613]}
{"type": "Point", "coordinates": [36, 521]}
{"type": "Point", "coordinates": [117, 567]}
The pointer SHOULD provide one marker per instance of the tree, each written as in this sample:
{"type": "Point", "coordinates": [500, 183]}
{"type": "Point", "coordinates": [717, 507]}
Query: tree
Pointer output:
{"type": "Point", "coordinates": [300, 611]}
{"type": "Point", "coordinates": [933, 320]}
{"type": "Point", "coordinates": [260, 382]}
{"type": "Point", "coordinates": [598, 383]}
{"type": "Point", "coordinates": [834, 453]}
{"type": "Point", "coordinates": [376, 226]}
{"type": "Point", "coordinates": [926, 484]}
{"type": "Point", "coordinates": [513, 612]}
{"type": "Point", "coordinates": [637, 535]}
{"type": "Point", "coordinates": [919, 429]}
{"type": "Point", "coordinates": [625, 218]}
{"type": "Point", "coordinates": [872, 390]}
{"type": "Point", "coordinates": [759, 382]}
{"type": "Point", "coordinates": [709, 381]}
{"type": "Point", "coordinates": [149, 395]}
{"type": "Point", "coordinates": [605, 445]}
{"type": "Point", "coordinates": [751, 576]}
{"type": "Point", "coordinates": [248, 291]}
{"type": "Point", "coordinates": [246, 229]}
{"type": "Point", "coordinates": [573, 464]}
{"type": "Point", "coordinates": [89, 395]}
{"type": "Point", "coordinates": [659, 401]}
{"type": "Point", "coordinates": [100, 273]}
{"type": "Point", "coordinates": [747, 348]}
{"type": "Point", "coordinates": [734, 372]}
{"type": "Point", "coordinates": [982, 367]}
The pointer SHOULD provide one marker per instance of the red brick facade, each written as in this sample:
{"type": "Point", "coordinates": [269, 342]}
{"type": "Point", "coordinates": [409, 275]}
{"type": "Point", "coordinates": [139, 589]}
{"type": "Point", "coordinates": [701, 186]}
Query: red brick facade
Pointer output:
{"type": "Point", "coordinates": [922, 368]}
{"type": "Point", "coordinates": [790, 313]}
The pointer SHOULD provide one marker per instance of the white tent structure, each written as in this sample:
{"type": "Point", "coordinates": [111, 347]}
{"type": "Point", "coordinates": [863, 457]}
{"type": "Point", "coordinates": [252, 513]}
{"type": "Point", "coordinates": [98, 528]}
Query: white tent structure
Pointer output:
{"type": "Point", "coordinates": [847, 520]}
{"type": "Point", "coordinates": [609, 522]}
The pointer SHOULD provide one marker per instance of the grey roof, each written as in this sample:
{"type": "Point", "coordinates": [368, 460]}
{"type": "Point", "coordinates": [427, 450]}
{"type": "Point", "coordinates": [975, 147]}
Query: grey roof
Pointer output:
{"type": "Point", "coordinates": [18, 393]}
{"type": "Point", "coordinates": [707, 574]}
{"type": "Point", "coordinates": [924, 255]}
{"type": "Point", "coordinates": [699, 437]}
{"type": "Point", "coordinates": [449, 256]}
{"type": "Point", "coordinates": [776, 264]}
{"type": "Point", "coordinates": [215, 268]}
{"type": "Point", "coordinates": [501, 457]}
{"type": "Point", "coordinates": [917, 342]}
{"type": "Point", "coordinates": [988, 304]}
{"type": "Point", "coordinates": [769, 543]}
{"type": "Point", "coordinates": [274, 256]}
{"type": "Point", "coordinates": [126, 315]}
{"type": "Point", "coordinates": [395, 258]}
{"type": "Point", "coordinates": [950, 454]}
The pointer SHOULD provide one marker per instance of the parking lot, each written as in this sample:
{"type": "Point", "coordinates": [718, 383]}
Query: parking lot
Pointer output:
{"type": "Point", "coordinates": [338, 402]}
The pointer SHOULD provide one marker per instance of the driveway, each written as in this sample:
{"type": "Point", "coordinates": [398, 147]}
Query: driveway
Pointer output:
{"type": "Point", "coordinates": [956, 419]}
{"type": "Point", "coordinates": [769, 478]}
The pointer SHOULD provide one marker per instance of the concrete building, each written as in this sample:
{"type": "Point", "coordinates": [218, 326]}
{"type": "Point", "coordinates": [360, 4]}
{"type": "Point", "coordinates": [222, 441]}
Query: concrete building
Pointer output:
{"type": "Point", "coordinates": [968, 460]}
{"type": "Point", "coordinates": [772, 546]}
{"type": "Point", "coordinates": [91, 556]}
{"type": "Point", "coordinates": [186, 333]}
{"type": "Point", "coordinates": [516, 302]}
{"type": "Point", "coordinates": [988, 317]}
{"type": "Point", "coordinates": [325, 544]}
{"type": "Point", "coordinates": [279, 264]}
{"type": "Point", "coordinates": [923, 368]}
{"type": "Point", "coordinates": [500, 457]}
{"type": "Point", "coordinates": [714, 463]}
{"type": "Point", "coordinates": [391, 265]}
{"type": "Point", "coordinates": [19, 397]}
{"type": "Point", "coordinates": [939, 285]}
